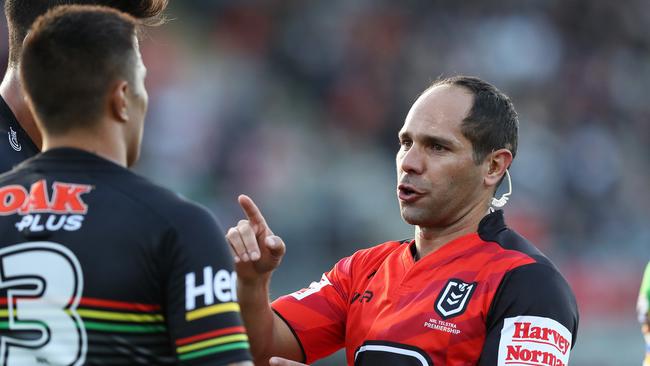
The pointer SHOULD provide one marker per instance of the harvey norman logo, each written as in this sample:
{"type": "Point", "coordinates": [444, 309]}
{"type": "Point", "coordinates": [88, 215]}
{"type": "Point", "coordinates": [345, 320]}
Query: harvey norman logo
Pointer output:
{"type": "Point", "coordinates": [534, 340]}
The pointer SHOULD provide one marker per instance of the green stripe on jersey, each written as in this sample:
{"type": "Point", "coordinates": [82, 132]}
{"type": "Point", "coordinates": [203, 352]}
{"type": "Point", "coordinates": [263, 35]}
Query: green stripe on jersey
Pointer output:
{"type": "Point", "coordinates": [213, 350]}
{"type": "Point", "coordinates": [645, 283]}
{"type": "Point", "coordinates": [5, 325]}
{"type": "Point", "coordinates": [126, 328]}
{"type": "Point", "coordinates": [103, 327]}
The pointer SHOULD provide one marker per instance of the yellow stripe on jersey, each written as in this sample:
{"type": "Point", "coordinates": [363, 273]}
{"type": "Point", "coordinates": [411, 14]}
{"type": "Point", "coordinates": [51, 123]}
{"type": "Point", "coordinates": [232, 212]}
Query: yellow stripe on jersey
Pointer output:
{"type": "Point", "coordinates": [105, 315]}
{"type": "Point", "coordinates": [124, 317]}
{"type": "Point", "coordinates": [212, 310]}
{"type": "Point", "coordinates": [212, 342]}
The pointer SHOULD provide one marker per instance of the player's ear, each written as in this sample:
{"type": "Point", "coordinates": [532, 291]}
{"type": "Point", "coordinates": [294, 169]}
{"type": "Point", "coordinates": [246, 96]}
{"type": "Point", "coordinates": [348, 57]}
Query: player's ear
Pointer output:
{"type": "Point", "coordinates": [117, 101]}
{"type": "Point", "coordinates": [497, 163]}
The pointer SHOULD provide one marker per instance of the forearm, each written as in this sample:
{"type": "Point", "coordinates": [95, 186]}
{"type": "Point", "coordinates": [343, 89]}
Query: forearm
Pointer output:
{"type": "Point", "coordinates": [258, 317]}
{"type": "Point", "coordinates": [258, 253]}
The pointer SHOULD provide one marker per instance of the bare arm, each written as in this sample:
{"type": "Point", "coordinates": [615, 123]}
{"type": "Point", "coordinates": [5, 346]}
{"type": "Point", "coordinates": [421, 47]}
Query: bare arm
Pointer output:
{"type": "Point", "coordinates": [258, 252]}
{"type": "Point", "coordinates": [277, 361]}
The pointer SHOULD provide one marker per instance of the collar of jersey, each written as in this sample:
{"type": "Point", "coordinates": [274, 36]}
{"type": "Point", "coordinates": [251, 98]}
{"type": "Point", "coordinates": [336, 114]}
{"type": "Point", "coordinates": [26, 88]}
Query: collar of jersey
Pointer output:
{"type": "Point", "coordinates": [8, 119]}
{"type": "Point", "coordinates": [490, 224]}
{"type": "Point", "coordinates": [72, 156]}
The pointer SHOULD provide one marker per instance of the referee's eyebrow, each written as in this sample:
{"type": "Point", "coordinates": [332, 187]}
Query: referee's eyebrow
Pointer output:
{"type": "Point", "coordinates": [430, 140]}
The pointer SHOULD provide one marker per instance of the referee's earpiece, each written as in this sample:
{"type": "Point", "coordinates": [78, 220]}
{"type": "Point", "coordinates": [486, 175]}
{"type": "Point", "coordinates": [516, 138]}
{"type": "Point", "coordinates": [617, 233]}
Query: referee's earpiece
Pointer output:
{"type": "Point", "coordinates": [500, 202]}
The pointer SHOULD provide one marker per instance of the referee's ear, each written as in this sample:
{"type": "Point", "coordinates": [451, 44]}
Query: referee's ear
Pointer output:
{"type": "Point", "coordinates": [497, 163]}
{"type": "Point", "coordinates": [117, 101]}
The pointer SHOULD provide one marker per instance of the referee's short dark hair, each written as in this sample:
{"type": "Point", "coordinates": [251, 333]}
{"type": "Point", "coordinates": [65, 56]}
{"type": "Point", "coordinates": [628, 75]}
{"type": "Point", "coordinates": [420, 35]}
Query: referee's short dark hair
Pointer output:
{"type": "Point", "coordinates": [492, 122]}
{"type": "Point", "coordinates": [70, 60]}
{"type": "Point", "coordinates": [21, 14]}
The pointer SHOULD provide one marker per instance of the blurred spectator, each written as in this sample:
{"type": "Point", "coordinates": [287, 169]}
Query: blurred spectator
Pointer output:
{"type": "Point", "coordinates": [298, 104]}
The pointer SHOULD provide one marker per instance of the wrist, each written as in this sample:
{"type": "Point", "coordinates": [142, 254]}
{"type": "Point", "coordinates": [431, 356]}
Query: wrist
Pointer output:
{"type": "Point", "coordinates": [254, 284]}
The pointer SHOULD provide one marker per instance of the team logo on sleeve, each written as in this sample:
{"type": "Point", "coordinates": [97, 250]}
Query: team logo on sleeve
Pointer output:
{"type": "Point", "coordinates": [313, 288]}
{"type": "Point", "coordinates": [534, 340]}
{"type": "Point", "coordinates": [454, 297]}
{"type": "Point", "coordinates": [13, 139]}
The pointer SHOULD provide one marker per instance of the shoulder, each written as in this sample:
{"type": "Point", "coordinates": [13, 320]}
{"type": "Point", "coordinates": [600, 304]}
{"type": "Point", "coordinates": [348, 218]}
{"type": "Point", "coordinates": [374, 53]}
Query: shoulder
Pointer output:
{"type": "Point", "coordinates": [529, 276]}
{"type": "Point", "coordinates": [531, 284]}
{"type": "Point", "coordinates": [538, 295]}
{"type": "Point", "coordinates": [539, 284]}
{"type": "Point", "coordinates": [170, 206]}
{"type": "Point", "coordinates": [512, 248]}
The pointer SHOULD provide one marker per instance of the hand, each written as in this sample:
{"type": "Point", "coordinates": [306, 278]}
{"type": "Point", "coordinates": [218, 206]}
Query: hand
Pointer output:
{"type": "Point", "coordinates": [257, 251]}
{"type": "Point", "coordinates": [279, 361]}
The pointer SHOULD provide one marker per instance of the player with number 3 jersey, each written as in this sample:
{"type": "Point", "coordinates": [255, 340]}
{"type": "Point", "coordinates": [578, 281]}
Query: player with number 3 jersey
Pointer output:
{"type": "Point", "coordinates": [99, 266]}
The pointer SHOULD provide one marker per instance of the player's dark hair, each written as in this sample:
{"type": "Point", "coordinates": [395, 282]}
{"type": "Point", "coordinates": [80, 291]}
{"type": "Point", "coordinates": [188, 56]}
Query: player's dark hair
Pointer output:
{"type": "Point", "coordinates": [70, 60]}
{"type": "Point", "coordinates": [21, 14]}
{"type": "Point", "coordinates": [492, 122]}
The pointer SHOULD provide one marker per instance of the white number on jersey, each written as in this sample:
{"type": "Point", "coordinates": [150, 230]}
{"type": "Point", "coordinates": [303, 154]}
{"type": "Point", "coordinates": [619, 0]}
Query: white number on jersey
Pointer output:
{"type": "Point", "coordinates": [44, 283]}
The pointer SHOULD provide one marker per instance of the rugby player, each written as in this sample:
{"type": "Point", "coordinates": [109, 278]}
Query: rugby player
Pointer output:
{"type": "Point", "coordinates": [21, 138]}
{"type": "Point", "coordinates": [643, 310]}
{"type": "Point", "coordinates": [99, 266]}
{"type": "Point", "coordinates": [467, 290]}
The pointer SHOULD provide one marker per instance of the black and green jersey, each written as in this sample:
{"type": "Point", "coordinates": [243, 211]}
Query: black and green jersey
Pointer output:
{"type": "Point", "coordinates": [643, 304]}
{"type": "Point", "coordinates": [98, 266]}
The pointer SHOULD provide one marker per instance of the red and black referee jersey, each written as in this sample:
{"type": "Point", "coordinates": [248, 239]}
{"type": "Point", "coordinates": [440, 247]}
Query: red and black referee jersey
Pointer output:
{"type": "Point", "coordinates": [486, 298]}
{"type": "Point", "coordinates": [98, 266]}
{"type": "Point", "coordinates": [15, 144]}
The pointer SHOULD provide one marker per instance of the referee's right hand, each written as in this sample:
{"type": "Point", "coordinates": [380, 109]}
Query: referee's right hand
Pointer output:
{"type": "Point", "coordinates": [257, 251]}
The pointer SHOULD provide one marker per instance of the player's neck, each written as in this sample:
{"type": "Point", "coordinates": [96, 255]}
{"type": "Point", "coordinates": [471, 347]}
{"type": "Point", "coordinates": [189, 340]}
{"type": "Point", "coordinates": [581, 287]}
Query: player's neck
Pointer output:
{"type": "Point", "coordinates": [12, 93]}
{"type": "Point", "coordinates": [430, 239]}
{"type": "Point", "coordinates": [106, 143]}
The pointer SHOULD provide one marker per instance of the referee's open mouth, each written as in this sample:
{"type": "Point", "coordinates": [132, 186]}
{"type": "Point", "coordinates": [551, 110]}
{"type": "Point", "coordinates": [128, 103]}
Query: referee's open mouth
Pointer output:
{"type": "Point", "coordinates": [408, 193]}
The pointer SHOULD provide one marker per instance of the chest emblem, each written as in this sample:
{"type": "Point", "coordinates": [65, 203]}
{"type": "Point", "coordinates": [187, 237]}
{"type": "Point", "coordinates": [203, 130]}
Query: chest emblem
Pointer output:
{"type": "Point", "coordinates": [454, 297]}
{"type": "Point", "coordinates": [13, 139]}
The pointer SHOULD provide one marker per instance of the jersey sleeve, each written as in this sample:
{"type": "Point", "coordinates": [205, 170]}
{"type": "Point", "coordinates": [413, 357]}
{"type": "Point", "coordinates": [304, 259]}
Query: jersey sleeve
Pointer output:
{"type": "Point", "coordinates": [317, 314]}
{"type": "Point", "coordinates": [533, 319]}
{"type": "Point", "coordinates": [643, 303]}
{"type": "Point", "coordinates": [202, 313]}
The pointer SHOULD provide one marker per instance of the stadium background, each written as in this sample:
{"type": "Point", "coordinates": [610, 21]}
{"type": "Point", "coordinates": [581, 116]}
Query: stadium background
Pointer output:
{"type": "Point", "coordinates": [298, 104]}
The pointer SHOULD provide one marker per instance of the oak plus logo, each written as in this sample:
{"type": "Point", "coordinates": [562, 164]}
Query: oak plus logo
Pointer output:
{"type": "Point", "coordinates": [454, 297]}
{"type": "Point", "coordinates": [534, 340]}
{"type": "Point", "coordinates": [64, 210]}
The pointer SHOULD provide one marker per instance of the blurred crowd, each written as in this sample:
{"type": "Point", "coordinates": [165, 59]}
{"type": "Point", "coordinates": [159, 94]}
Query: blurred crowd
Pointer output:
{"type": "Point", "coordinates": [298, 104]}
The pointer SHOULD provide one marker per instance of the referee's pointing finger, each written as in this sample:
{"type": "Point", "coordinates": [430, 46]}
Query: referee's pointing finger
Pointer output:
{"type": "Point", "coordinates": [253, 214]}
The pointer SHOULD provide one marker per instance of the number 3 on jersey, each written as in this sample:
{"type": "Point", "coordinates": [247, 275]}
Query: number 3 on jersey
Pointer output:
{"type": "Point", "coordinates": [43, 282]}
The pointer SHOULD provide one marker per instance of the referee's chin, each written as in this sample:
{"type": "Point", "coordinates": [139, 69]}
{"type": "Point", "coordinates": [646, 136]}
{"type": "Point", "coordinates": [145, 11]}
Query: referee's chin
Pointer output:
{"type": "Point", "coordinates": [413, 216]}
